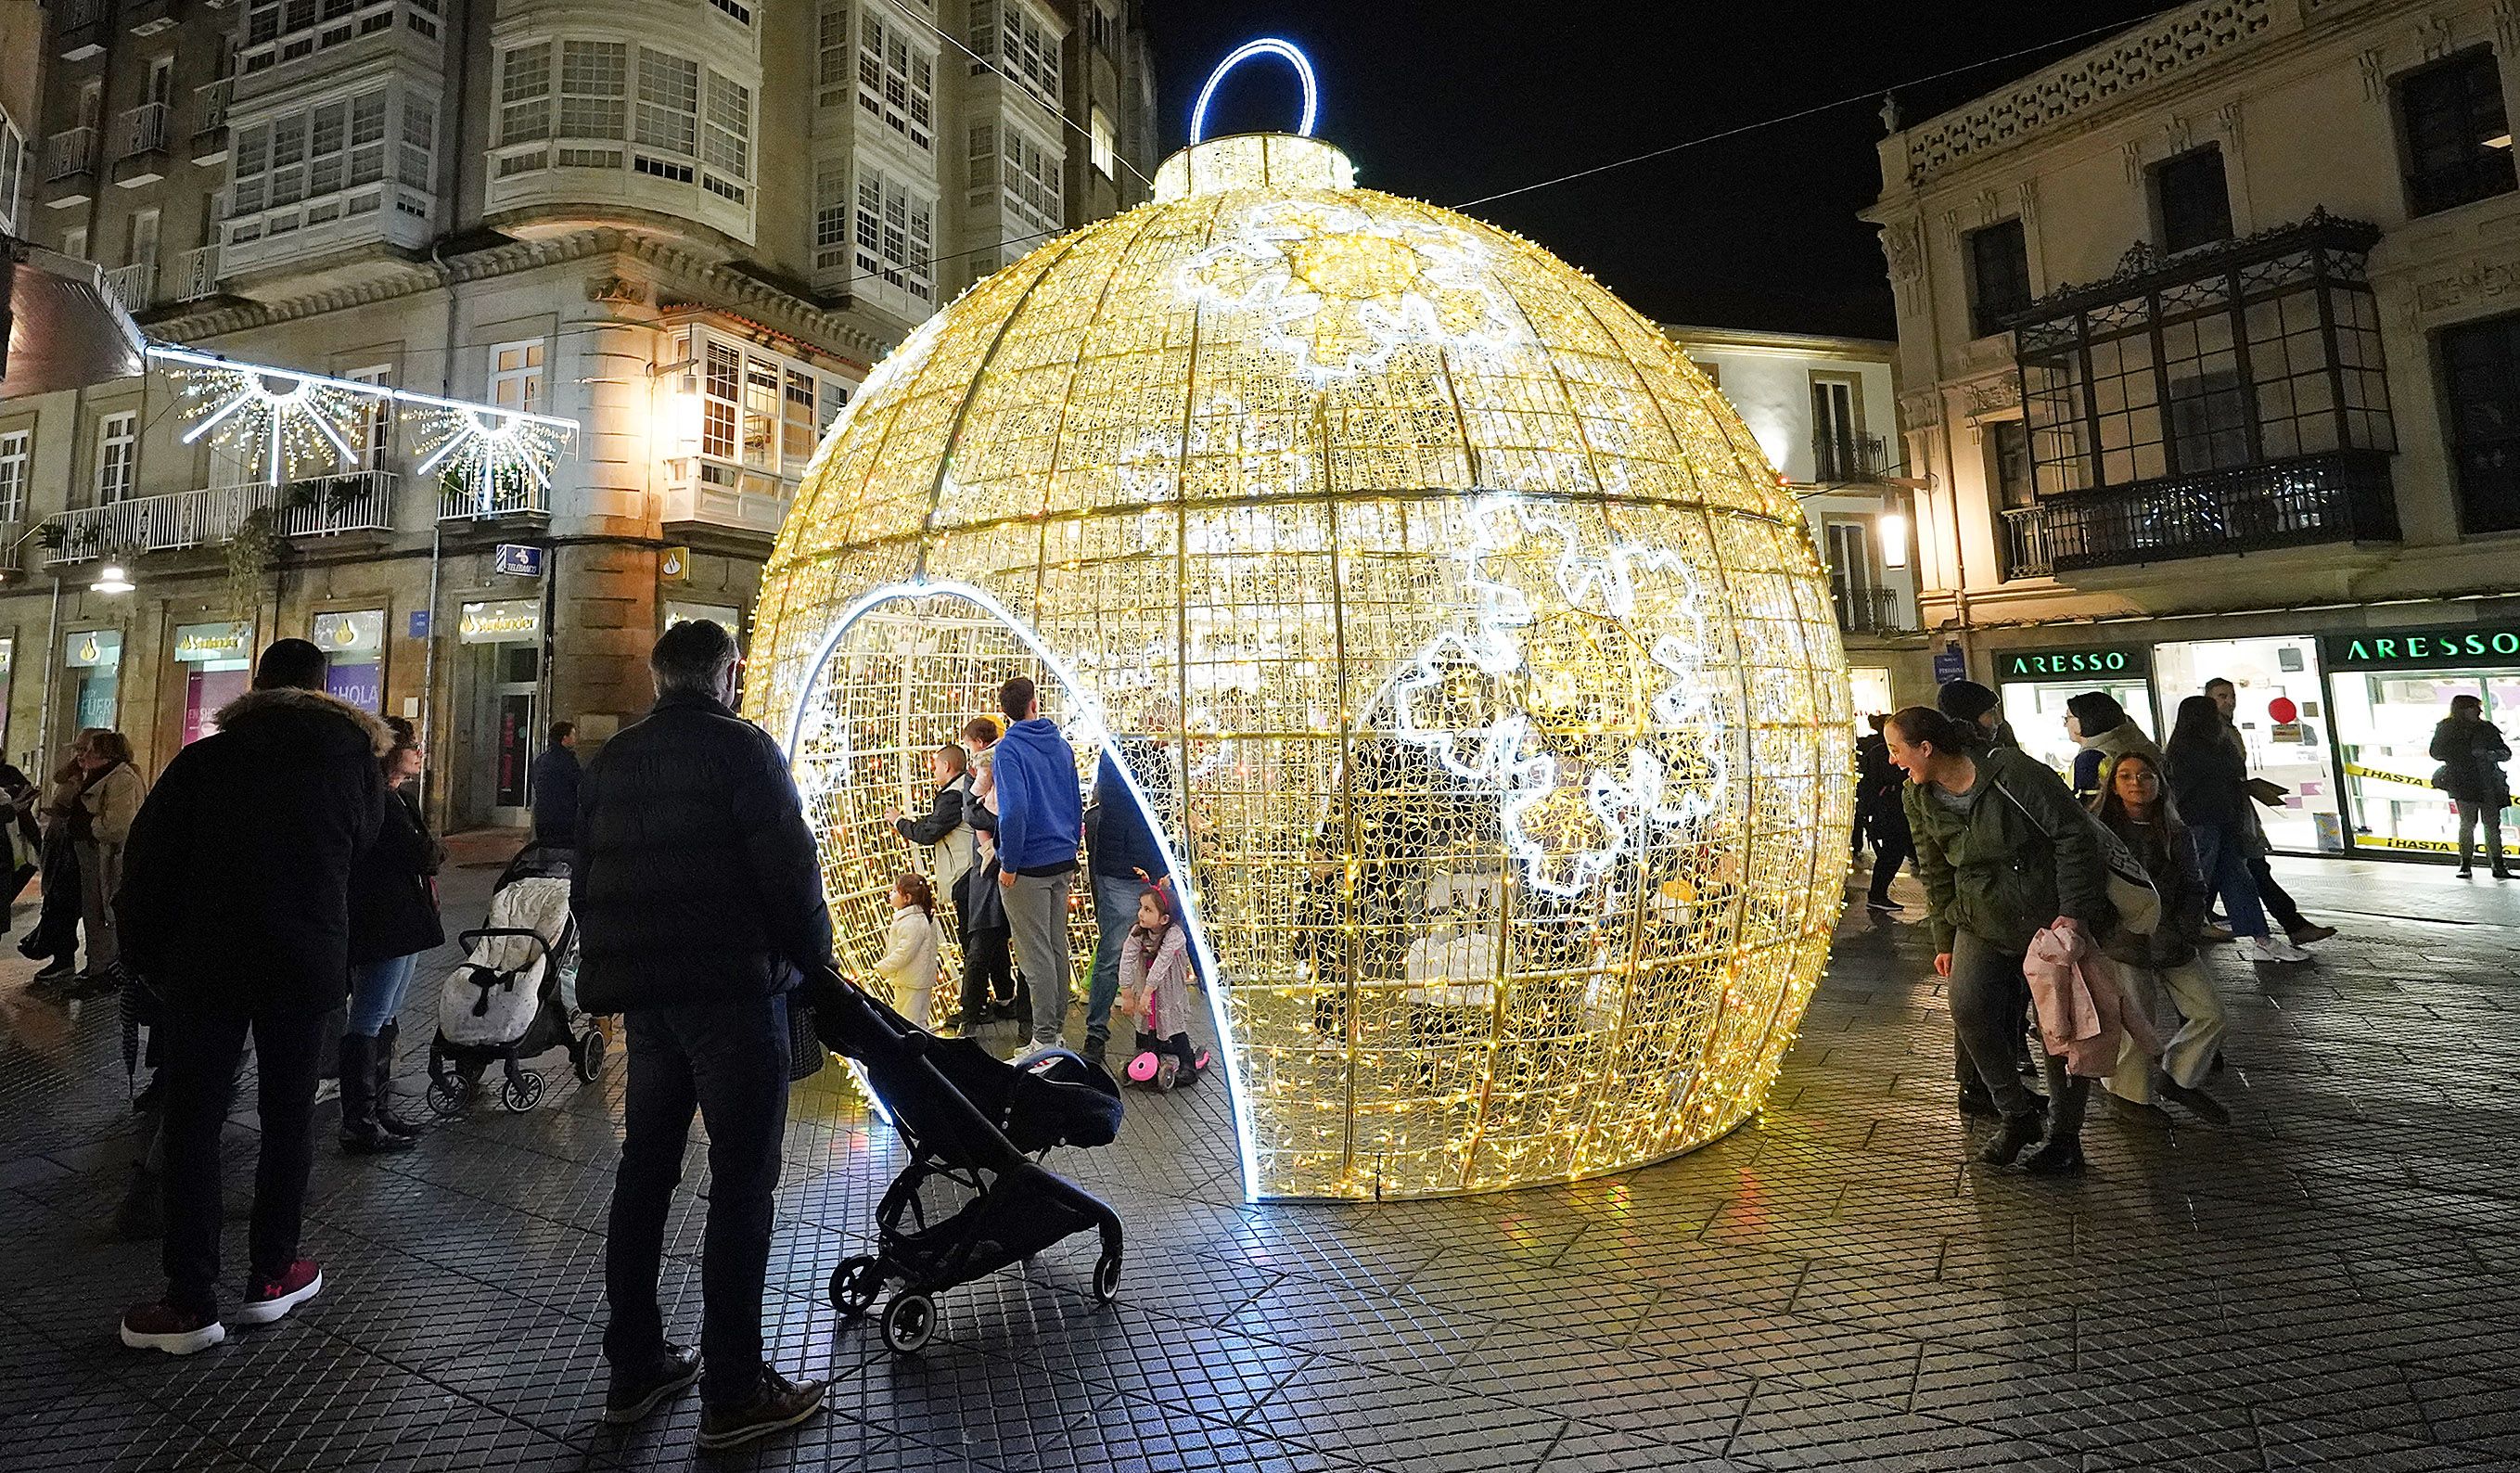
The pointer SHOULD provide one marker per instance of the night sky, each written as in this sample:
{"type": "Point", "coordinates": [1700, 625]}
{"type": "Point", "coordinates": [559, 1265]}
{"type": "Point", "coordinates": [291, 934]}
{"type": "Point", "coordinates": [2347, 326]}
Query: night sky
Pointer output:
{"type": "Point", "coordinates": [1449, 102]}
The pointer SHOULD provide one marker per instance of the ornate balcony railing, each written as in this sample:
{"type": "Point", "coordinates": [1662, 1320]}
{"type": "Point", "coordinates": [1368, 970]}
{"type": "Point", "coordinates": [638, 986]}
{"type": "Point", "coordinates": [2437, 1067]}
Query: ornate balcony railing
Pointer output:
{"type": "Point", "coordinates": [469, 503]}
{"type": "Point", "coordinates": [71, 150]}
{"type": "Point", "coordinates": [1871, 610]}
{"type": "Point", "coordinates": [134, 285]}
{"type": "Point", "coordinates": [143, 130]}
{"type": "Point", "coordinates": [2344, 496]}
{"type": "Point", "coordinates": [361, 501]}
{"type": "Point", "coordinates": [196, 274]}
{"type": "Point", "coordinates": [1848, 458]}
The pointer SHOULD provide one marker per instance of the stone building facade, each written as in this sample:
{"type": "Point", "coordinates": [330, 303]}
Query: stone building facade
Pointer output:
{"type": "Point", "coordinates": [688, 226]}
{"type": "Point", "coordinates": [2209, 339]}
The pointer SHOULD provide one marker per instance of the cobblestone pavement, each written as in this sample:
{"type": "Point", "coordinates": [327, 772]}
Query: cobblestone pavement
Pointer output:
{"type": "Point", "coordinates": [2335, 1279]}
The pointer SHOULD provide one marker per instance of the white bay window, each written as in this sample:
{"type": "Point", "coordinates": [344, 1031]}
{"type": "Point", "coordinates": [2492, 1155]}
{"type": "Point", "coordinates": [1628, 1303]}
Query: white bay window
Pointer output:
{"type": "Point", "coordinates": [588, 103]}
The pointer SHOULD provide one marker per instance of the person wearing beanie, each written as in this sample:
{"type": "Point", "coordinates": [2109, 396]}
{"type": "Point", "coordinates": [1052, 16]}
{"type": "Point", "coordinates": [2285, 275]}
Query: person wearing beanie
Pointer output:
{"type": "Point", "coordinates": [1967, 700]}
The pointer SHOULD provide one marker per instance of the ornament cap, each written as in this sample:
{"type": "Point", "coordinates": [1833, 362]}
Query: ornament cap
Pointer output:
{"type": "Point", "coordinates": [1253, 160]}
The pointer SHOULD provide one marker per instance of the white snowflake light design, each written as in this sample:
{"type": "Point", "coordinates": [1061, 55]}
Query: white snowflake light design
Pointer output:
{"type": "Point", "coordinates": [287, 425]}
{"type": "Point", "coordinates": [495, 453]}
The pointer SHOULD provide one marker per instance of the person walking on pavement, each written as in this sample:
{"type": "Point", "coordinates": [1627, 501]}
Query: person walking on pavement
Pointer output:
{"type": "Point", "coordinates": [1881, 812]}
{"type": "Point", "coordinates": [698, 897]}
{"type": "Point", "coordinates": [1122, 860]}
{"type": "Point", "coordinates": [1870, 750]}
{"type": "Point", "coordinates": [1041, 821]}
{"type": "Point", "coordinates": [235, 907]}
{"type": "Point", "coordinates": [949, 833]}
{"type": "Point", "coordinates": [2003, 852]}
{"type": "Point", "coordinates": [1967, 700]}
{"type": "Point", "coordinates": [2162, 967]}
{"type": "Point", "coordinates": [2210, 783]}
{"type": "Point", "coordinates": [2471, 752]}
{"type": "Point", "coordinates": [393, 919]}
{"type": "Point", "coordinates": [554, 781]}
{"type": "Point", "coordinates": [2298, 928]}
{"type": "Point", "coordinates": [2104, 733]}
{"type": "Point", "coordinates": [110, 796]}
{"type": "Point", "coordinates": [55, 936]}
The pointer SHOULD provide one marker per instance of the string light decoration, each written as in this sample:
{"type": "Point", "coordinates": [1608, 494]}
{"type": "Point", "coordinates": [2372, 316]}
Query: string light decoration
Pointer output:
{"type": "Point", "coordinates": [285, 424]}
{"type": "Point", "coordinates": [1479, 680]}
{"type": "Point", "coordinates": [293, 424]}
{"type": "Point", "coordinates": [499, 456]}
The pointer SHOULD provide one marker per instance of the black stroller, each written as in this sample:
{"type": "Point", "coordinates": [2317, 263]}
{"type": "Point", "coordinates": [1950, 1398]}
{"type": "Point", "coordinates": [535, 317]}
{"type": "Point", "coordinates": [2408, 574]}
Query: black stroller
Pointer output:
{"type": "Point", "coordinates": [514, 994]}
{"type": "Point", "coordinates": [974, 1123]}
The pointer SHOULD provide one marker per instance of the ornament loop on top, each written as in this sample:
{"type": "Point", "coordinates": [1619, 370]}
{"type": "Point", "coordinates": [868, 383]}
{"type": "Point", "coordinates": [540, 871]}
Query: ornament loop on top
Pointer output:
{"type": "Point", "coordinates": [1264, 46]}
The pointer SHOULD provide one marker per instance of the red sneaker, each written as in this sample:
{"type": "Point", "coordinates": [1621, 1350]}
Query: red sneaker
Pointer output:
{"type": "Point", "coordinates": [270, 1299]}
{"type": "Point", "coordinates": [164, 1326]}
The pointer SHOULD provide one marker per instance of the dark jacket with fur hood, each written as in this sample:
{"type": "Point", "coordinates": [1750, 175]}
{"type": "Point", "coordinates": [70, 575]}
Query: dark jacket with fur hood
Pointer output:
{"type": "Point", "coordinates": [236, 885]}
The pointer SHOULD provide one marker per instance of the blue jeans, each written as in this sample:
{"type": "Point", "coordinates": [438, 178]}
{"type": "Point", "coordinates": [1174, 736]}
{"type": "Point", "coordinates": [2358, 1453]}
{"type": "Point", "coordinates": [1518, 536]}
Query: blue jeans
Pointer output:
{"type": "Point", "coordinates": [1115, 915]}
{"type": "Point", "coordinates": [728, 1060]}
{"type": "Point", "coordinates": [2218, 857]}
{"type": "Point", "coordinates": [376, 990]}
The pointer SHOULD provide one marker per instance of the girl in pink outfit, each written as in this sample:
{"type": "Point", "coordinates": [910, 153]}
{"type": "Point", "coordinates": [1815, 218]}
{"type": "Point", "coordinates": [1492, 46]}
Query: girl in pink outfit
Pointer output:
{"type": "Point", "coordinates": [1154, 991]}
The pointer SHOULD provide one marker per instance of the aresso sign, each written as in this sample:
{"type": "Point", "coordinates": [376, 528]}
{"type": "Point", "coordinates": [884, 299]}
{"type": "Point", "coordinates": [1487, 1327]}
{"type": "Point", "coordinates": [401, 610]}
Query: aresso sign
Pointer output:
{"type": "Point", "coordinates": [2419, 648]}
{"type": "Point", "coordinates": [2066, 664]}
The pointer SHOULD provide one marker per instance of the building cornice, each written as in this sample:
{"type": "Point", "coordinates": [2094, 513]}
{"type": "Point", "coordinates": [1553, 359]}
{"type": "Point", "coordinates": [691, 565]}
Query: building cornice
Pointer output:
{"type": "Point", "coordinates": [1782, 344]}
{"type": "Point", "coordinates": [718, 284]}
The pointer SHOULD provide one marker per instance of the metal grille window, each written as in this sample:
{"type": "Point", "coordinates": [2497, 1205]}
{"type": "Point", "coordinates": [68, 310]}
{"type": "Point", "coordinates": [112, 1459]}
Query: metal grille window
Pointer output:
{"type": "Point", "coordinates": [1999, 275]}
{"type": "Point", "coordinates": [311, 157]}
{"type": "Point", "coordinates": [1028, 52]}
{"type": "Point", "coordinates": [2193, 200]}
{"type": "Point", "coordinates": [669, 101]}
{"type": "Point", "coordinates": [2268, 350]}
{"type": "Point", "coordinates": [832, 218]}
{"type": "Point", "coordinates": [418, 136]}
{"type": "Point", "coordinates": [2480, 372]}
{"type": "Point", "coordinates": [594, 89]}
{"type": "Point", "coordinates": [726, 142]}
{"type": "Point", "coordinates": [524, 94]}
{"type": "Point", "coordinates": [1031, 176]}
{"type": "Point", "coordinates": [285, 30]}
{"type": "Point", "coordinates": [2457, 134]}
{"type": "Point", "coordinates": [831, 55]}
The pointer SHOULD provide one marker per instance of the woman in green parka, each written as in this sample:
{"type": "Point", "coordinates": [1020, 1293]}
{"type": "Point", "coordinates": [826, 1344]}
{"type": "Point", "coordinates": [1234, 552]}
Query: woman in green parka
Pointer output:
{"type": "Point", "coordinates": [2005, 852]}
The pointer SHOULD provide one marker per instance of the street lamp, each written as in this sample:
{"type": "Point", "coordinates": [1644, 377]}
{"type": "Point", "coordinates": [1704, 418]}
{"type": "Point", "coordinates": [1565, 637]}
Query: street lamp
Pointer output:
{"type": "Point", "coordinates": [111, 579]}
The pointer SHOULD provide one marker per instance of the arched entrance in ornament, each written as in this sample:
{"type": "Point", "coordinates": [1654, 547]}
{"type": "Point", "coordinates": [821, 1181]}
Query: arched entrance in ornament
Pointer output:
{"type": "Point", "coordinates": [901, 673]}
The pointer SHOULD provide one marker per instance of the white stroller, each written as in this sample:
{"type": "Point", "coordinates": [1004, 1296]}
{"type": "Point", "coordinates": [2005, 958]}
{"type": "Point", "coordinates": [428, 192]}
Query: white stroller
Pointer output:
{"type": "Point", "coordinates": [514, 994]}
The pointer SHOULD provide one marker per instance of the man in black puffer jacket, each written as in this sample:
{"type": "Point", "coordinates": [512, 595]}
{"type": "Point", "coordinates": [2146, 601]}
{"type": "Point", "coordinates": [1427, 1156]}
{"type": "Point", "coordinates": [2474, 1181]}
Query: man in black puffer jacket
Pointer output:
{"type": "Point", "coordinates": [699, 906]}
{"type": "Point", "coordinates": [235, 910]}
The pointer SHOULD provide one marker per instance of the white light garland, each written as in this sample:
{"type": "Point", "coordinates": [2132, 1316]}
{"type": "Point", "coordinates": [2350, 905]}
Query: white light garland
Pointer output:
{"type": "Point", "coordinates": [294, 424]}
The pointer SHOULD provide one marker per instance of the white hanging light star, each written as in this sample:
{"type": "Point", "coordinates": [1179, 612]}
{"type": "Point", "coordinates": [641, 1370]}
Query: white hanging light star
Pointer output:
{"type": "Point", "coordinates": [493, 451]}
{"type": "Point", "coordinates": [289, 425]}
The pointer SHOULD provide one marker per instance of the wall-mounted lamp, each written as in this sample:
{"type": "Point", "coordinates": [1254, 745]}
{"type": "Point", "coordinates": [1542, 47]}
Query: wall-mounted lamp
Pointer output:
{"type": "Point", "coordinates": [1891, 529]}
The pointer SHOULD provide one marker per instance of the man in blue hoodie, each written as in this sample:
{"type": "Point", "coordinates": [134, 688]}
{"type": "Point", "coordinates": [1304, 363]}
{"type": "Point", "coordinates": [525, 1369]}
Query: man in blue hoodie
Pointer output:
{"type": "Point", "coordinates": [1041, 821]}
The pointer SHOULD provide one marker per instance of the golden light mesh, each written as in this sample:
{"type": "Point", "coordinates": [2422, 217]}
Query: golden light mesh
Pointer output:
{"type": "Point", "coordinates": [1460, 636]}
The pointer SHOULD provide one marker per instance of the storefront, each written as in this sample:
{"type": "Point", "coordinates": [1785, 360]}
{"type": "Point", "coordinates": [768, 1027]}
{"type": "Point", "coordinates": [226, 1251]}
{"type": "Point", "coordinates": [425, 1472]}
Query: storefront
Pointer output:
{"type": "Point", "coordinates": [2036, 684]}
{"type": "Point", "coordinates": [94, 659]}
{"type": "Point", "coordinates": [218, 660]}
{"type": "Point", "coordinates": [353, 642]}
{"type": "Point", "coordinates": [2283, 719]}
{"type": "Point", "coordinates": [500, 709]}
{"type": "Point", "coordinates": [2391, 687]}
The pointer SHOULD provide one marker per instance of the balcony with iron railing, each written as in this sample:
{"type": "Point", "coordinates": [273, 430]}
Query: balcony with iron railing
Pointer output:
{"type": "Point", "coordinates": [196, 275]}
{"type": "Point", "coordinates": [210, 122]}
{"type": "Point", "coordinates": [134, 285]}
{"type": "Point", "coordinates": [140, 146]}
{"type": "Point", "coordinates": [1864, 611]}
{"type": "Point", "coordinates": [1841, 458]}
{"type": "Point", "coordinates": [71, 150]}
{"type": "Point", "coordinates": [2343, 496]}
{"type": "Point", "coordinates": [78, 26]}
{"type": "Point", "coordinates": [469, 500]}
{"type": "Point", "coordinates": [361, 501]}
{"type": "Point", "coordinates": [708, 492]}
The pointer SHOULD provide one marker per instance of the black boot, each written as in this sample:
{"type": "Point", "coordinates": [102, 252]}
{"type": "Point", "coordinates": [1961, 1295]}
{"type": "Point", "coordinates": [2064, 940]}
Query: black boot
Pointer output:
{"type": "Point", "coordinates": [361, 1136]}
{"type": "Point", "coordinates": [387, 1120]}
{"type": "Point", "coordinates": [2018, 1131]}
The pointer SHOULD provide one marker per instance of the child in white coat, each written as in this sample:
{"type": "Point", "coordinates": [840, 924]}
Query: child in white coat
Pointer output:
{"type": "Point", "coordinates": [912, 946]}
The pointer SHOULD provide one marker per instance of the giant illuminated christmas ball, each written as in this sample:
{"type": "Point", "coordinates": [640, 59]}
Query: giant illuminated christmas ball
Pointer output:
{"type": "Point", "coordinates": [1479, 679]}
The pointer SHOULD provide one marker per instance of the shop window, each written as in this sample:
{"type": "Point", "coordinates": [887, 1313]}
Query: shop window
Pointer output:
{"type": "Point", "coordinates": [353, 642]}
{"type": "Point", "coordinates": [1998, 259]}
{"type": "Point", "coordinates": [2192, 200]}
{"type": "Point", "coordinates": [2481, 374]}
{"type": "Point", "coordinates": [2457, 138]}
